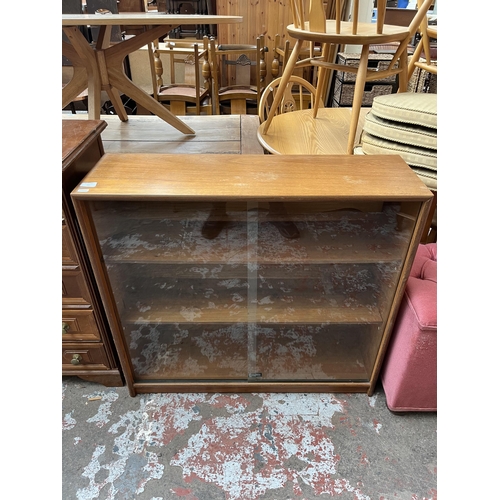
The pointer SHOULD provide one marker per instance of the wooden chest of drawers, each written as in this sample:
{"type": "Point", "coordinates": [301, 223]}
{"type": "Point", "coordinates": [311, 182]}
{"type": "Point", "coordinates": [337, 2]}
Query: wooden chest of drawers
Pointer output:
{"type": "Point", "coordinates": [87, 349]}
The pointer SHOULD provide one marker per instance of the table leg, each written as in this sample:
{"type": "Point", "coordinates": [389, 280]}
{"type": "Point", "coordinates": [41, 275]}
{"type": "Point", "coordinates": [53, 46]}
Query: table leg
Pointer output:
{"type": "Point", "coordinates": [79, 80]}
{"type": "Point", "coordinates": [87, 55]}
{"type": "Point", "coordinates": [104, 42]}
{"type": "Point", "coordinates": [105, 72]}
{"type": "Point", "coordinates": [287, 72]}
{"type": "Point", "coordinates": [114, 57]}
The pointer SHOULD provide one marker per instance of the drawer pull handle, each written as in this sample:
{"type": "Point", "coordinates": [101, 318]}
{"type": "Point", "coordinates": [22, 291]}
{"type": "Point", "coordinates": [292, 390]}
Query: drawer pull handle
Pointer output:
{"type": "Point", "coordinates": [65, 328]}
{"type": "Point", "coordinates": [76, 359]}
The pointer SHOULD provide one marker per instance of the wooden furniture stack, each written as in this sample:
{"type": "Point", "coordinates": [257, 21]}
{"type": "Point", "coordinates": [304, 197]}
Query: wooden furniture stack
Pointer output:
{"type": "Point", "coordinates": [332, 34]}
{"type": "Point", "coordinates": [87, 349]}
{"type": "Point", "coordinates": [251, 305]}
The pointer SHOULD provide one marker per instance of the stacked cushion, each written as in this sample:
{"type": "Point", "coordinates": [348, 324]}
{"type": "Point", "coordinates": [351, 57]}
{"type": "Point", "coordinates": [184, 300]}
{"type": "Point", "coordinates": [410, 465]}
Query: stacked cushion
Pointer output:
{"type": "Point", "coordinates": [405, 124]}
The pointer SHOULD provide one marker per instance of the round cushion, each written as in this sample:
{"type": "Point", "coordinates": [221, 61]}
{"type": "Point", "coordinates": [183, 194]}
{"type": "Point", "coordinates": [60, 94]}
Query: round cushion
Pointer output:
{"type": "Point", "coordinates": [405, 133]}
{"type": "Point", "coordinates": [407, 107]}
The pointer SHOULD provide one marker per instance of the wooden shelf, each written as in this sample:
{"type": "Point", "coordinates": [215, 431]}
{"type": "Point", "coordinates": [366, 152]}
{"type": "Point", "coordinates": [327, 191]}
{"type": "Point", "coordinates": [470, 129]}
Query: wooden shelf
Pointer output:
{"type": "Point", "coordinates": [222, 354]}
{"type": "Point", "coordinates": [344, 239]}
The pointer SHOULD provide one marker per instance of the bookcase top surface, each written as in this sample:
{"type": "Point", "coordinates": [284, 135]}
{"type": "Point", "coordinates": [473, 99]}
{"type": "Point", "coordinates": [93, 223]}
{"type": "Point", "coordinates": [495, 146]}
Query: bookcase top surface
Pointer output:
{"type": "Point", "coordinates": [263, 177]}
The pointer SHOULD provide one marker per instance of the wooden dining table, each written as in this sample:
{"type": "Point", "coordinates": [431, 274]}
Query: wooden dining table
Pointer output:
{"type": "Point", "coordinates": [236, 134]}
{"type": "Point", "coordinates": [100, 67]}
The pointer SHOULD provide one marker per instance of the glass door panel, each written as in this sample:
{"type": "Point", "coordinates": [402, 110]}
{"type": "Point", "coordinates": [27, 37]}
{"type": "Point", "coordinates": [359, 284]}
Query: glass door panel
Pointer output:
{"type": "Point", "coordinates": [251, 290]}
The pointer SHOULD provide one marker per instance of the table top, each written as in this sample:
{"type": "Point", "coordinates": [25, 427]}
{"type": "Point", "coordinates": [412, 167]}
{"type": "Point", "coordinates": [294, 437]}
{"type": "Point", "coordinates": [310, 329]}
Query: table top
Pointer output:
{"type": "Point", "coordinates": [225, 134]}
{"type": "Point", "coordinates": [145, 18]}
{"type": "Point", "coordinates": [298, 132]}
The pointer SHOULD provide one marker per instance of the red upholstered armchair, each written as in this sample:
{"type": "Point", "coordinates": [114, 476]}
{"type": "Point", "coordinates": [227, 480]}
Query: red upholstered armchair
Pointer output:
{"type": "Point", "coordinates": [409, 373]}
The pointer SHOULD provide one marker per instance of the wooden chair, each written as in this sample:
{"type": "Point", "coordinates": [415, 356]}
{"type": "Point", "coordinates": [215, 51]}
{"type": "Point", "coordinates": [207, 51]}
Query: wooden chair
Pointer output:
{"type": "Point", "coordinates": [423, 47]}
{"type": "Point", "coordinates": [185, 93]}
{"type": "Point", "coordinates": [334, 33]}
{"type": "Point", "coordinates": [299, 94]}
{"type": "Point", "coordinates": [237, 73]}
{"type": "Point", "coordinates": [281, 54]}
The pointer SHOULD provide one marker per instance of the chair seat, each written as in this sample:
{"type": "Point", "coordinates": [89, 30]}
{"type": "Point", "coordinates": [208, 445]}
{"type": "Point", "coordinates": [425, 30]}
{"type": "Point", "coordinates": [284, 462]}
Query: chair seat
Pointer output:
{"type": "Point", "coordinates": [241, 92]}
{"type": "Point", "coordinates": [366, 34]}
{"type": "Point", "coordinates": [184, 91]}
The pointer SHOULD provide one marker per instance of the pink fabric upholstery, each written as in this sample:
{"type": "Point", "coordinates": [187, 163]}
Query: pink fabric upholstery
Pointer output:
{"type": "Point", "coordinates": [409, 373]}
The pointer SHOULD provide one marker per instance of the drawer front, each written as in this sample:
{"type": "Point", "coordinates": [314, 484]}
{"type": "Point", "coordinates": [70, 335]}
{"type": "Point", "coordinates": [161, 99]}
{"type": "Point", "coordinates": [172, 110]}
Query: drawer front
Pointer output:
{"type": "Point", "coordinates": [79, 325]}
{"type": "Point", "coordinates": [74, 289]}
{"type": "Point", "coordinates": [69, 256]}
{"type": "Point", "coordinates": [85, 356]}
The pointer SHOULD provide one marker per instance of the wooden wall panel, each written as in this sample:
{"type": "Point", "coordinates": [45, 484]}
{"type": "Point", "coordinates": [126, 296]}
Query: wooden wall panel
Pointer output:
{"type": "Point", "coordinates": [260, 17]}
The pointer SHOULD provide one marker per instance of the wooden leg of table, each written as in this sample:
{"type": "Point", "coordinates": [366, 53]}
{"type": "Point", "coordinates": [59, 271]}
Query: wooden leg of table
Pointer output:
{"type": "Point", "coordinates": [87, 55]}
{"type": "Point", "coordinates": [357, 100]}
{"type": "Point", "coordinates": [103, 43]}
{"type": "Point", "coordinates": [287, 73]}
{"type": "Point", "coordinates": [78, 82]}
{"type": "Point", "coordinates": [119, 80]}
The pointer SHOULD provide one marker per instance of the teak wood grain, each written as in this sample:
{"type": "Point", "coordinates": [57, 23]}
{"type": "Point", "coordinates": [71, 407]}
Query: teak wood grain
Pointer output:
{"type": "Point", "coordinates": [209, 177]}
{"type": "Point", "coordinates": [266, 177]}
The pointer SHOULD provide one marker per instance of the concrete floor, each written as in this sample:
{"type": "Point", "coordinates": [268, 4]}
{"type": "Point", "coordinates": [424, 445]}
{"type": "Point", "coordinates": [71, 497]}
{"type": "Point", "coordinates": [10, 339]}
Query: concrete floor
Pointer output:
{"type": "Point", "coordinates": [242, 446]}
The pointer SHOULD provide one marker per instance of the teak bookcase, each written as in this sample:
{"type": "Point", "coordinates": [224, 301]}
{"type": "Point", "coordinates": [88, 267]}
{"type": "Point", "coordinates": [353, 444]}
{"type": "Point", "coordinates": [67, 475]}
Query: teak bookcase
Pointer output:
{"type": "Point", "coordinates": [249, 309]}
